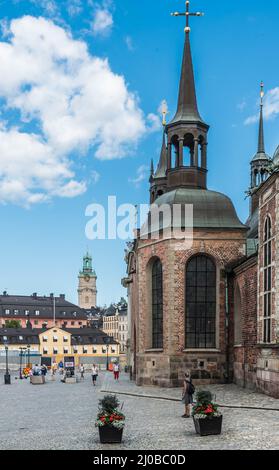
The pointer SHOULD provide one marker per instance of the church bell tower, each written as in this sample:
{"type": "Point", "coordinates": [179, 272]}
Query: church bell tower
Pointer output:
{"type": "Point", "coordinates": [87, 291]}
{"type": "Point", "coordinates": [183, 160]}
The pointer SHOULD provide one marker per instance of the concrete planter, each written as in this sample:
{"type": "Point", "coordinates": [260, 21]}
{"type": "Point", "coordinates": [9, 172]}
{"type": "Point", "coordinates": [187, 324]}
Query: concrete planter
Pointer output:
{"type": "Point", "coordinates": [70, 380]}
{"type": "Point", "coordinates": [37, 379]}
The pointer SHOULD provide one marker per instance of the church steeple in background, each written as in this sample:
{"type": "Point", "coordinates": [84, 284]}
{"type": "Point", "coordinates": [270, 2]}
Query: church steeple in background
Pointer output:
{"type": "Point", "coordinates": [261, 161]}
{"type": "Point", "coordinates": [87, 290]}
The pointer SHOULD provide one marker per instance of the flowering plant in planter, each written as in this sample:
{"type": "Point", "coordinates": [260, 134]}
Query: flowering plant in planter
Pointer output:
{"type": "Point", "coordinates": [108, 414]}
{"type": "Point", "coordinates": [207, 419]}
{"type": "Point", "coordinates": [205, 407]}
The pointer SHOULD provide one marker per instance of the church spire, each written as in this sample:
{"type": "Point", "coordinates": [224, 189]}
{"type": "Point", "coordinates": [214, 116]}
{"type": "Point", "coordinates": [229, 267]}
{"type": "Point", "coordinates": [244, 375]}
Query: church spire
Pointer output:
{"type": "Point", "coordinates": [162, 165]}
{"type": "Point", "coordinates": [261, 161]}
{"type": "Point", "coordinates": [187, 107]}
{"type": "Point", "coordinates": [187, 132]}
{"type": "Point", "coordinates": [261, 147]}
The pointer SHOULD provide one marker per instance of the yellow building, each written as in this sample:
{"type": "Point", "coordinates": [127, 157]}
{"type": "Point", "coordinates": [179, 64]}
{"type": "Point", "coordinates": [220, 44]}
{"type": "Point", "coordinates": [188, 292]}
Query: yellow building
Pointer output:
{"type": "Point", "coordinates": [86, 345]}
{"type": "Point", "coordinates": [115, 325]}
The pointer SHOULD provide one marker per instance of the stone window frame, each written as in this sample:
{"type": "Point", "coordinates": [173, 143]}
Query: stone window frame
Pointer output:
{"type": "Point", "coordinates": [238, 326]}
{"type": "Point", "coordinates": [217, 302]}
{"type": "Point", "coordinates": [267, 280]}
{"type": "Point", "coordinates": [149, 318]}
{"type": "Point", "coordinates": [157, 305]}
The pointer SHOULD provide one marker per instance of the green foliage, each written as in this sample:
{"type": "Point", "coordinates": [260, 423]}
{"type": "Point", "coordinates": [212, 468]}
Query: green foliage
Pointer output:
{"type": "Point", "coordinates": [204, 406]}
{"type": "Point", "coordinates": [204, 397]}
{"type": "Point", "coordinates": [108, 404]}
{"type": "Point", "coordinates": [12, 324]}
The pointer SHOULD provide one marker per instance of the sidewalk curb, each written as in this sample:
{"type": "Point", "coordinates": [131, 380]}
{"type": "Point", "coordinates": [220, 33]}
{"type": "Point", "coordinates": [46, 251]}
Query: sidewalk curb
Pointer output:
{"type": "Point", "coordinates": [241, 407]}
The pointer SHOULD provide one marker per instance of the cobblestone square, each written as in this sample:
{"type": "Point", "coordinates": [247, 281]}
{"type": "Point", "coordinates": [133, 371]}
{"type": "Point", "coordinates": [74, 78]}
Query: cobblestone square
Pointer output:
{"type": "Point", "coordinates": [61, 416]}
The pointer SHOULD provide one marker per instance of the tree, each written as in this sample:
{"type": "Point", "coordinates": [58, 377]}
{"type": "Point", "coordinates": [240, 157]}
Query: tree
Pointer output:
{"type": "Point", "coordinates": [12, 324]}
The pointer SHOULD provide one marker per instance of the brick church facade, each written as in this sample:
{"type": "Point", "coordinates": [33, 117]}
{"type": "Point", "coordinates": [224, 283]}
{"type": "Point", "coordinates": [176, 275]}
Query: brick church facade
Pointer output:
{"type": "Point", "coordinates": [211, 307]}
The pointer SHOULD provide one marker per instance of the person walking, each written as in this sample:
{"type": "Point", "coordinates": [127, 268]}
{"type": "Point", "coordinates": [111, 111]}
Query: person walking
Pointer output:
{"type": "Point", "coordinates": [187, 394]}
{"type": "Point", "coordinates": [95, 372]}
{"type": "Point", "coordinates": [82, 370]}
{"type": "Point", "coordinates": [116, 370]}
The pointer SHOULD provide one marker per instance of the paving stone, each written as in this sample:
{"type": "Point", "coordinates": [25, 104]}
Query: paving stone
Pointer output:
{"type": "Point", "coordinates": [60, 416]}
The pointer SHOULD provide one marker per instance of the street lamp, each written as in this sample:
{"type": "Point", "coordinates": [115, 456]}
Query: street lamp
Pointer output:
{"type": "Point", "coordinates": [107, 343]}
{"type": "Point", "coordinates": [20, 362]}
{"type": "Point", "coordinates": [28, 355]}
{"type": "Point", "coordinates": [7, 377]}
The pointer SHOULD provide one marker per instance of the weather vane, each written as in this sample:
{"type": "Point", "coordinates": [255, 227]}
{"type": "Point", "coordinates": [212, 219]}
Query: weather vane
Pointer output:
{"type": "Point", "coordinates": [164, 112]}
{"type": "Point", "coordinates": [187, 14]}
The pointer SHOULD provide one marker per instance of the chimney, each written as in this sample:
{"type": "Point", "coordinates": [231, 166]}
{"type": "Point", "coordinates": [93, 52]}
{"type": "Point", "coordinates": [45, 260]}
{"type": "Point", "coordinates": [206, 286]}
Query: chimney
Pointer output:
{"type": "Point", "coordinates": [51, 295]}
{"type": "Point", "coordinates": [34, 295]}
{"type": "Point", "coordinates": [62, 296]}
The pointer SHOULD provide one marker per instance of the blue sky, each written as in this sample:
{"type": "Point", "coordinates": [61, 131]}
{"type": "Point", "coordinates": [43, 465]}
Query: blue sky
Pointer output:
{"type": "Point", "coordinates": [73, 132]}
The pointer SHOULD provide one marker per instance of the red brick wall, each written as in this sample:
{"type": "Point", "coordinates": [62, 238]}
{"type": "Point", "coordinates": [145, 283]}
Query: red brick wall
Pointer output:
{"type": "Point", "coordinates": [245, 354]}
{"type": "Point", "coordinates": [168, 367]}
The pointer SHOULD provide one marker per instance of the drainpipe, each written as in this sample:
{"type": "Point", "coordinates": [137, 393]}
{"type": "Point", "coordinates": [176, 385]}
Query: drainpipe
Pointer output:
{"type": "Point", "coordinates": [227, 327]}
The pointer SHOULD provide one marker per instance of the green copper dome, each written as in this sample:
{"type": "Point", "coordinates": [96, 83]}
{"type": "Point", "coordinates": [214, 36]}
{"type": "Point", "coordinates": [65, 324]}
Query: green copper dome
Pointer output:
{"type": "Point", "coordinates": [210, 209]}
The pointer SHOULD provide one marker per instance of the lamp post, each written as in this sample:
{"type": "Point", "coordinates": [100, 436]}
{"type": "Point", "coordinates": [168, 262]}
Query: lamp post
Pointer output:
{"type": "Point", "coordinates": [7, 377]}
{"type": "Point", "coordinates": [20, 363]}
{"type": "Point", "coordinates": [107, 343]}
{"type": "Point", "coordinates": [28, 355]}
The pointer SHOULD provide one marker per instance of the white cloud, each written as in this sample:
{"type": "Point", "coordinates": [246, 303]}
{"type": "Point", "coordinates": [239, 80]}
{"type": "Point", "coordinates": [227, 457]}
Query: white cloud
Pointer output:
{"type": "Point", "coordinates": [271, 107]}
{"type": "Point", "coordinates": [95, 176]}
{"type": "Point", "coordinates": [102, 21]}
{"type": "Point", "coordinates": [50, 7]}
{"type": "Point", "coordinates": [73, 100]}
{"type": "Point", "coordinates": [142, 173]}
{"type": "Point", "coordinates": [242, 105]}
{"type": "Point", "coordinates": [129, 43]}
{"type": "Point", "coordinates": [74, 7]}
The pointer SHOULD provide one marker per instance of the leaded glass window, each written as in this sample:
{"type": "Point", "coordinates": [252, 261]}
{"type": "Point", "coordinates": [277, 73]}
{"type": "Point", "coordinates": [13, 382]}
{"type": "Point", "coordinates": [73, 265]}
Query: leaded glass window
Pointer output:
{"type": "Point", "coordinates": [200, 303]}
{"type": "Point", "coordinates": [267, 281]}
{"type": "Point", "coordinates": [157, 305]}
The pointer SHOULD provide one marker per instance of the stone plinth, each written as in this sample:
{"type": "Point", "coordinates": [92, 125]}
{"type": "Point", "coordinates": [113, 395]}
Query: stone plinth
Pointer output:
{"type": "Point", "coordinates": [37, 379]}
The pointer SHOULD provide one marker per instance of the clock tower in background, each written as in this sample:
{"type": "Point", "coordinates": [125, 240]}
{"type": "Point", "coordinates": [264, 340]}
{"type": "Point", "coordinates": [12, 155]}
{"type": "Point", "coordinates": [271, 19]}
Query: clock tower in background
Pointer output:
{"type": "Point", "coordinates": [87, 291]}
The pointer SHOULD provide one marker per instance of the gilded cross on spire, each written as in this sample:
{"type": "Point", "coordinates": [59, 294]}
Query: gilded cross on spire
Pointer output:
{"type": "Point", "coordinates": [187, 14]}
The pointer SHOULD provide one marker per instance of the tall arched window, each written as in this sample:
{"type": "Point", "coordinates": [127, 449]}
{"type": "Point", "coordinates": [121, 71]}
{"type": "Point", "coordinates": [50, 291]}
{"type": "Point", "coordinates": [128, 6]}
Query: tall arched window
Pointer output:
{"type": "Point", "coordinates": [157, 305]}
{"type": "Point", "coordinates": [267, 280]}
{"type": "Point", "coordinates": [200, 303]}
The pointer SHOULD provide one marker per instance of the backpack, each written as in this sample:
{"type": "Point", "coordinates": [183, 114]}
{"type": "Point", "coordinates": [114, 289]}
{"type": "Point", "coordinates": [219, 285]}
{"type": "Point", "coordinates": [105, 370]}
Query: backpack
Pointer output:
{"type": "Point", "coordinates": [191, 388]}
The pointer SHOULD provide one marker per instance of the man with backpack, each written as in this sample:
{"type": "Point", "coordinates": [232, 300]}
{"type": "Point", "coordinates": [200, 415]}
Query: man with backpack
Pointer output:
{"type": "Point", "coordinates": [187, 394]}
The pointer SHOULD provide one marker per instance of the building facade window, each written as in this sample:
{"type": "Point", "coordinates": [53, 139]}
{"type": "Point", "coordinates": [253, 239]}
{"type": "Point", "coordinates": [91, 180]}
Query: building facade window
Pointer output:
{"type": "Point", "coordinates": [200, 303]}
{"type": "Point", "coordinates": [267, 297]}
{"type": "Point", "coordinates": [157, 305]}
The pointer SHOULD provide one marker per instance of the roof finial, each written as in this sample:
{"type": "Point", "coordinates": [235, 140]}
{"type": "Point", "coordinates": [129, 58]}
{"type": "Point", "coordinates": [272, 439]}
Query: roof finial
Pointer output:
{"type": "Point", "coordinates": [187, 14]}
{"type": "Point", "coordinates": [261, 146]}
{"type": "Point", "coordinates": [262, 92]}
{"type": "Point", "coordinates": [164, 110]}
